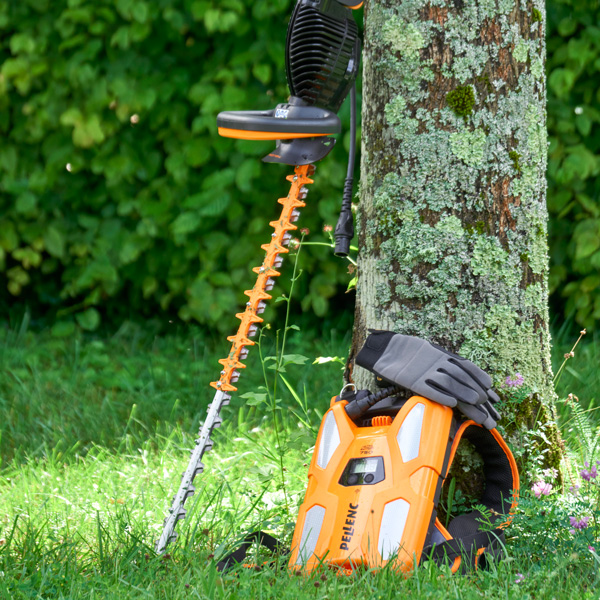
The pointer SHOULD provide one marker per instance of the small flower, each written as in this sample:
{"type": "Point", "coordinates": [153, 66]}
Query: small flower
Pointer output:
{"type": "Point", "coordinates": [551, 473]}
{"type": "Point", "coordinates": [591, 549]}
{"type": "Point", "coordinates": [305, 231]}
{"type": "Point", "coordinates": [574, 489]}
{"type": "Point", "coordinates": [588, 474]}
{"type": "Point", "coordinates": [520, 578]}
{"type": "Point", "coordinates": [583, 331]}
{"type": "Point", "coordinates": [541, 488]}
{"type": "Point", "coordinates": [294, 243]}
{"type": "Point", "coordinates": [516, 382]}
{"type": "Point", "coordinates": [327, 228]}
{"type": "Point", "coordinates": [570, 354]}
{"type": "Point", "coordinates": [578, 524]}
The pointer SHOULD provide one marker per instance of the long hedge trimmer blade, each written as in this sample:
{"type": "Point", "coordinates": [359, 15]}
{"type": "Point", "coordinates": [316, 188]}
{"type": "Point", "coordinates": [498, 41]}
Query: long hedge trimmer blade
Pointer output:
{"type": "Point", "coordinates": [240, 342]}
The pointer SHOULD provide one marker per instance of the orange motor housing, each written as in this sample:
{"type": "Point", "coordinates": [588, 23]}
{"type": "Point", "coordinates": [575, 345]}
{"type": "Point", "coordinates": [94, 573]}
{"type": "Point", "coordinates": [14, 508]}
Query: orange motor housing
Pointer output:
{"type": "Point", "coordinates": [372, 490]}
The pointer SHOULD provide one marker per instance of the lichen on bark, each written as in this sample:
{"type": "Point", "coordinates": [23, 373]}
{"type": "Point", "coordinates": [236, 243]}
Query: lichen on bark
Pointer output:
{"type": "Point", "coordinates": [453, 235]}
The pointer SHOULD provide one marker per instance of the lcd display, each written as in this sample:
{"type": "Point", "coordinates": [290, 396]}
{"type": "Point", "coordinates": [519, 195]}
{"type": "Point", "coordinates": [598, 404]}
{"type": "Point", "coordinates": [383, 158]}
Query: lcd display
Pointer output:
{"type": "Point", "coordinates": [364, 465]}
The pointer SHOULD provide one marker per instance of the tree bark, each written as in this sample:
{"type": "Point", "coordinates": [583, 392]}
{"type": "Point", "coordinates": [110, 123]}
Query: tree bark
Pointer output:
{"type": "Point", "coordinates": [452, 218]}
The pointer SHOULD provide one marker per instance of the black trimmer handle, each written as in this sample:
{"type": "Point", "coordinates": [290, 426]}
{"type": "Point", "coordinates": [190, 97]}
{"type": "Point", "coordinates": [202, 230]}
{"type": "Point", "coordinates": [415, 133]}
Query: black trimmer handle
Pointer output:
{"type": "Point", "coordinates": [285, 122]}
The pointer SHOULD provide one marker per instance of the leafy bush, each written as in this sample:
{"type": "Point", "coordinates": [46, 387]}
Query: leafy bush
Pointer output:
{"type": "Point", "coordinates": [574, 162]}
{"type": "Point", "coordinates": [118, 196]}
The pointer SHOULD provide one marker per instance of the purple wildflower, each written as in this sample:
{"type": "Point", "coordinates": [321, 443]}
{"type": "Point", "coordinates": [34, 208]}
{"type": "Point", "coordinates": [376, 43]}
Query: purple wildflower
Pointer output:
{"type": "Point", "coordinates": [591, 549]}
{"type": "Point", "coordinates": [589, 474]}
{"type": "Point", "coordinates": [541, 488]}
{"type": "Point", "coordinates": [516, 382]}
{"type": "Point", "coordinates": [520, 578]}
{"type": "Point", "coordinates": [578, 524]}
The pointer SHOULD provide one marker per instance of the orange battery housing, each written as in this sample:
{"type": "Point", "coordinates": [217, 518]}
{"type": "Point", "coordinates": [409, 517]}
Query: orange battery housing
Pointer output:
{"type": "Point", "coordinates": [356, 515]}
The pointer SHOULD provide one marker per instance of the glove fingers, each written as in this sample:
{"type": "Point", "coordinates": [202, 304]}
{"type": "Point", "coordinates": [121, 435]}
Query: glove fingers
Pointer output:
{"type": "Point", "coordinates": [477, 414]}
{"type": "Point", "coordinates": [479, 375]}
{"type": "Point", "coordinates": [492, 396]}
{"type": "Point", "coordinates": [492, 411]}
{"type": "Point", "coordinates": [458, 389]}
{"type": "Point", "coordinates": [464, 379]}
{"type": "Point", "coordinates": [432, 391]}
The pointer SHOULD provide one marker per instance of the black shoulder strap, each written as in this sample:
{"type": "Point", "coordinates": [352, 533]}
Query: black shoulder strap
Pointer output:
{"type": "Point", "coordinates": [263, 539]}
{"type": "Point", "coordinates": [464, 535]}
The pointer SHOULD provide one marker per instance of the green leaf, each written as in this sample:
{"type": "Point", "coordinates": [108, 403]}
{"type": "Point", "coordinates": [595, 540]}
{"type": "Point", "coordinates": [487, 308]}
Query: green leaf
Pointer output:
{"type": "Point", "coordinates": [293, 359]}
{"type": "Point", "coordinates": [211, 19]}
{"type": "Point", "coordinates": [567, 27]}
{"type": "Point", "coordinates": [120, 38]}
{"type": "Point", "coordinates": [140, 12]}
{"type": "Point", "coordinates": [26, 203]}
{"type": "Point", "coordinates": [591, 283]}
{"type": "Point", "coordinates": [255, 398]}
{"type": "Point", "coordinates": [587, 239]}
{"type": "Point", "coordinates": [22, 43]}
{"type": "Point", "coordinates": [584, 124]}
{"type": "Point", "coordinates": [262, 72]}
{"type": "Point", "coordinates": [215, 206]}
{"type": "Point", "coordinates": [197, 152]}
{"type": "Point", "coordinates": [246, 173]}
{"type": "Point", "coordinates": [54, 242]}
{"type": "Point", "coordinates": [9, 238]}
{"type": "Point", "coordinates": [71, 116]}
{"type": "Point", "coordinates": [88, 319]}
{"type": "Point", "coordinates": [561, 81]}
{"type": "Point", "coordinates": [319, 305]}
{"type": "Point", "coordinates": [185, 223]}
{"type": "Point", "coordinates": [28, 257]}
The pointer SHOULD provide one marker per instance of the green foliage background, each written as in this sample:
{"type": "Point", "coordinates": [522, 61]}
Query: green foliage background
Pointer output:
{"type": "Point", "coordinates": [118, 199]}
{"type": "Point", "coordinates": [573, 69]}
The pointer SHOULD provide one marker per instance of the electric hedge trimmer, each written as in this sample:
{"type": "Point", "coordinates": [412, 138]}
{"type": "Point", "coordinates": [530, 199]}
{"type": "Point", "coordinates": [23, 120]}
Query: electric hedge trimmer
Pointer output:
{"type": "Point", "coordinates": [322, 58]}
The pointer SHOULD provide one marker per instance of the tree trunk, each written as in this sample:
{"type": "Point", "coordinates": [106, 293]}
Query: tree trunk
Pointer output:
{"type": "Point", "coordinates": [452, 220]}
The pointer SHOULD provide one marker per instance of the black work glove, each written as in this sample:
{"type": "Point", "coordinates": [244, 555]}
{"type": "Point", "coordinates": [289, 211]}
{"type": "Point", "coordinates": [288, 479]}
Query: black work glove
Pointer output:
{"type": "Point", "coordinates": [432, 372]}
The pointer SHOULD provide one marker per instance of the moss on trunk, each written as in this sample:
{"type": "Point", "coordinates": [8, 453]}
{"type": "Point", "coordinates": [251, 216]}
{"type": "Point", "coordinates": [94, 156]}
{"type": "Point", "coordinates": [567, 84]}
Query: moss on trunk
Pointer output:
{"type": "Point", "coordinates": [453, 220]}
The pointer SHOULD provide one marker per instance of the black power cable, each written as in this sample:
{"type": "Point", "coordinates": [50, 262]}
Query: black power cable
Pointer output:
{"type": "Point", "coordinates": [344, 230]}
{"type": "Point", "coordinates": [357, 408]}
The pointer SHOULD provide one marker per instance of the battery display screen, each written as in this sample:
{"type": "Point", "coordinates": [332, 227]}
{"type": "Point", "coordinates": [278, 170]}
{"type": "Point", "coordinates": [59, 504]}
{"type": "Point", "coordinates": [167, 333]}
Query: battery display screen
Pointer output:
{"type": "Point", "coordinates": [367, 470]}
{"type": "Point", "coordinates": [364, 465]}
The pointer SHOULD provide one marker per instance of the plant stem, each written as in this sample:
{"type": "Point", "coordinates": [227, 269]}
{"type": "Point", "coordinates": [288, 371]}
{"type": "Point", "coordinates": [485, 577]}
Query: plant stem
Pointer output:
{"type": "Point", "coordinates": [280, 353]}
{"type": "Point", "coordinates": [567, 357]}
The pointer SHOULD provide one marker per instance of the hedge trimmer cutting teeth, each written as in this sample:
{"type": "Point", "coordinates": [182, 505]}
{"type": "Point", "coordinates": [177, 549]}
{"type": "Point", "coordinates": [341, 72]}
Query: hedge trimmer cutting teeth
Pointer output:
{"type": "Point", "coordinates": [240, 342]}
{"type": "Point", "coordinates": [322, 57]}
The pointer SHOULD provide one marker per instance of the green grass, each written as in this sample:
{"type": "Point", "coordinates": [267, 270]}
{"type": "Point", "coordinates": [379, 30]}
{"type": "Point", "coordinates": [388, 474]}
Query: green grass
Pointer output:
{"type": "Point", "coordinates": [94, 436]}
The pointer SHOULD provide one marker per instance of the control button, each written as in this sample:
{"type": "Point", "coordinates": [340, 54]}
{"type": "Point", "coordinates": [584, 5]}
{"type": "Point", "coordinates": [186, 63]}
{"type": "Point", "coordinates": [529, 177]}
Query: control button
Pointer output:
{"type": "Point", "coordinates": [369, 477]}
{"type": "Point", "coordinates": [352, 479]}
